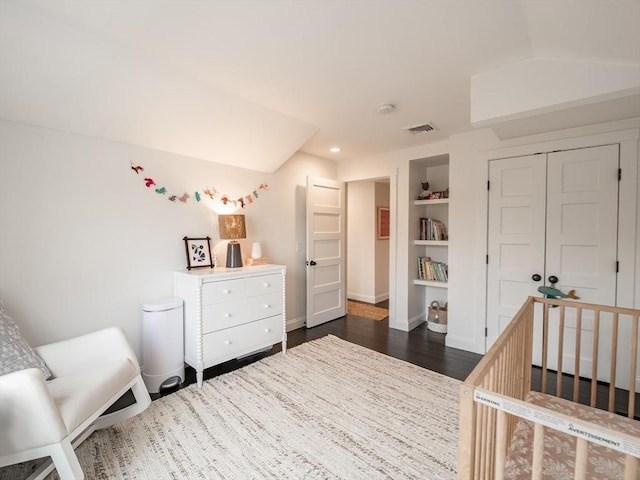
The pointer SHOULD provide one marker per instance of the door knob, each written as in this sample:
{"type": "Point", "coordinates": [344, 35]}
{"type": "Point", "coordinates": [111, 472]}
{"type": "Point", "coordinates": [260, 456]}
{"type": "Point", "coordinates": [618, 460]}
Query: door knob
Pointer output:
{"type": "Point", "coordinates": [312, 263]}
{"type": "Point", "coordinates": [536, 277]}
{"type": "Point", "coordinates": [553, 279]}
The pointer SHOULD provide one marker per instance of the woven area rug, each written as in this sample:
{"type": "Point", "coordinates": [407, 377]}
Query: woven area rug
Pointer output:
{"type": "Point", "coordinates": [366, 311]}
{"type": "Point", "coordinates": [328, 409]}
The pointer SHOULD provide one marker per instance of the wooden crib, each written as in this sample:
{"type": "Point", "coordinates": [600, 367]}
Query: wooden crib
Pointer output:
{"type": "Point", "coordinates": [523, 412]}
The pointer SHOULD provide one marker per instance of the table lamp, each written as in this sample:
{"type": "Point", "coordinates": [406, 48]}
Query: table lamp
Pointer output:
{"type": "Point", "coordinates": [232, 228]}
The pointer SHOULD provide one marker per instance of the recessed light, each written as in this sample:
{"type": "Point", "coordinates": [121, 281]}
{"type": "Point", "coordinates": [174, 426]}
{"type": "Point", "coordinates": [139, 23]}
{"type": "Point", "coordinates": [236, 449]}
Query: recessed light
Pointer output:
{"type": "Point", "coordinates": [334, 149]}
{"type": "Point", "coordinates": [385, 108]}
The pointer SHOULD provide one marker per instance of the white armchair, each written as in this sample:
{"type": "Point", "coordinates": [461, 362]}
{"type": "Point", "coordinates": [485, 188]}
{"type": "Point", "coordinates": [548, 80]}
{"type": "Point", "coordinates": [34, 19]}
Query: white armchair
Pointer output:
{"type": "Point", "coordinates": [41, 418]}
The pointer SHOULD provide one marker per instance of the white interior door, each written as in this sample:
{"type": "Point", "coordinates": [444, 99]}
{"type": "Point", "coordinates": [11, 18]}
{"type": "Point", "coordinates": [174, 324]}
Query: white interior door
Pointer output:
{"type": "Point", "coordinates": [326, 250]}
{"type": "Point", "coordinates": [516, 237]}
{"type": "Point", "coordinates": [582, 227]}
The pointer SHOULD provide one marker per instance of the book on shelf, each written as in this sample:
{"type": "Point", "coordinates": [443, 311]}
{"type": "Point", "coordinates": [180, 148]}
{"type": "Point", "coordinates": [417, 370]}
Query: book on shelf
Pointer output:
{"type": "Point", "coordinates": [432, 229]}
{"type": "Point", "coordinates": [432, 271]}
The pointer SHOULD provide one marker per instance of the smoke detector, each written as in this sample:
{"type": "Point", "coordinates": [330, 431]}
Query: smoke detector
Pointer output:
{"type": "Point", "coordinates": [385, 108]}
{"type": "Point", "coordinates": [421, 128]}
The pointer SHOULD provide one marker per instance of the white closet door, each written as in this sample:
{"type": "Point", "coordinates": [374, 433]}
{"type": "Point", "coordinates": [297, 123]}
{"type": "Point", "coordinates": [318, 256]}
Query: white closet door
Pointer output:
{"type": "Point", "coordinates": [516, 237]}
{"type": "Point", "coordinates": [582, 231]}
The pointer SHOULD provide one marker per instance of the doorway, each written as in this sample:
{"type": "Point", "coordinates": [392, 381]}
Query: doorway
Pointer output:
{"type": "Point", "coordinates": [368, 203]}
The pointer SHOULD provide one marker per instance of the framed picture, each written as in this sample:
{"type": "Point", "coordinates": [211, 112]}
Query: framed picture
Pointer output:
{"type": "Point", "coordinates": [383, 223]}
{"type": "Point", "coordinates": [198, 252]}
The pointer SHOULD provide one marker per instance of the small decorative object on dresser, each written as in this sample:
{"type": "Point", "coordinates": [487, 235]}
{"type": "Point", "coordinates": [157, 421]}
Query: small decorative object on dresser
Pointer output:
{"type": "Point", "coordinates": [256, 250]}
{"type": "Point", "coordinates": [198, 252]}
{"type": "Point", "coordinates": [230, 313]}
{"type": "Point", "coordinates": [232, 227]}
{"type": "Point", "coordinates": [256, 255]}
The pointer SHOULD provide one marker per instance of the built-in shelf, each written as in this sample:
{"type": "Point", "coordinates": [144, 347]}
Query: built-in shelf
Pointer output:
{"type": "Point", "coordinates": [431, 202]}
{"type": "Point", "coordinates": [431, 283]}
{"type": "Point", "coordinates": [432, 243]}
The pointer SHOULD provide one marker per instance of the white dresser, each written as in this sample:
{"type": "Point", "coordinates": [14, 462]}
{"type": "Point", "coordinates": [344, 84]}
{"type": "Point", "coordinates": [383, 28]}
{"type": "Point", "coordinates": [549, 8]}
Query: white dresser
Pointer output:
{"type": "Point", "coordinates": [231, 312]}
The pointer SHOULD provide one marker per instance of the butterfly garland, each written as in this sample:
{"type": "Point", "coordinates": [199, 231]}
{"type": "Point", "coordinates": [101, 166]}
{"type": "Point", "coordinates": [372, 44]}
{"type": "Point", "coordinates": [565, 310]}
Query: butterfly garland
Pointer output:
{"type": "Point", "coordinates": [212, 193]}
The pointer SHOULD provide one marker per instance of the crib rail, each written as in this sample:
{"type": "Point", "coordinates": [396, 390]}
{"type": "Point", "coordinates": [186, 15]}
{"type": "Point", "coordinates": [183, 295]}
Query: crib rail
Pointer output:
{"type": "Point", "coordinates": [541, 333]}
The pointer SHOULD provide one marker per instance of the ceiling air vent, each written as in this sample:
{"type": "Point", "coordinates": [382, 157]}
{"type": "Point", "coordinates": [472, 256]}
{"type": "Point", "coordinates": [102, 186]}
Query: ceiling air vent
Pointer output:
{"type": "Point", "coordinates": [420, 129]}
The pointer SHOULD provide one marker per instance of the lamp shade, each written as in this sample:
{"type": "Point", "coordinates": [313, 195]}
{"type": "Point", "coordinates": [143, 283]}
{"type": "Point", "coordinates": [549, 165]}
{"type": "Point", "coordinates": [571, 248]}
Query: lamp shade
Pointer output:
{"type": "Point", "coordinates": [231, 227]}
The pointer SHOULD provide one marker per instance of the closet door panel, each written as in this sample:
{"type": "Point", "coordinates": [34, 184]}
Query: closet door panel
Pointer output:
{"type": "Point", "coordinates": [516, 236]}
{"type": "Point", "coordinates": [582, 222]}
{"type": "Point", "coordinates": [582, 232]}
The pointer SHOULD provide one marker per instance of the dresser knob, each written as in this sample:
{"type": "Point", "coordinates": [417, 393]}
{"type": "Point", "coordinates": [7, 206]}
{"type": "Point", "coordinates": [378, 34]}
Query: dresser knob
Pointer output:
{"type": "Point", "coordinates": [226, 291]}
{"type": "Point", "coordinates": [267, 305]}
{"type": "Point", "coordinates": [267, 330]}
{"type": "Point", "coordinates": [227, 342]}
{"type": "Point", "coordinates": [227, 315]}
{"type": "Point", "coordinates": [267, 284]}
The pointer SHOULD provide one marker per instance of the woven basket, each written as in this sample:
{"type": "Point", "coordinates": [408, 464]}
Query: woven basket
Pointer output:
{"type": "Point", "coordinates": [437, 317]}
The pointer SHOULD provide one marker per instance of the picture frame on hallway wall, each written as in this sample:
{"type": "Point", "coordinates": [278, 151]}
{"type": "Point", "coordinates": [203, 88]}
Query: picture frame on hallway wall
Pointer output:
{"type": "Point", "coordinates": [383, 223]}
{"type": "Point", "coordinates": [198, 252]}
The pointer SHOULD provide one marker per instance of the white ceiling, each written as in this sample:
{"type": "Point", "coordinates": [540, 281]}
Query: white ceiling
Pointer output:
{"type": "Point", "coordinates": [323, 66]}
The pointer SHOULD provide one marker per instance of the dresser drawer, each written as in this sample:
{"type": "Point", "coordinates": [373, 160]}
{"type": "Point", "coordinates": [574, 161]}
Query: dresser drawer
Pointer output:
{"type": "Point", "coordinates": [264, 284]}
{"type": "Point", "coordinates": [234, 342]}
{"type": "Point", "coordinates": [229, 314]}
{"type": "Point", "coordinates": [224, 291]}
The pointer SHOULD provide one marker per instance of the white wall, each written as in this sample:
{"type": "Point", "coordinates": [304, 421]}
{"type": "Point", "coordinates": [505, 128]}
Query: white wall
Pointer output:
{"type": "Point", "coordinates": [361, 232]}
{"type": "Point", "coordinates": [84, 243]}
{"type": "Point", "coordinates": [367, 256]}
{"type": "Point", "coordinates": [286, 222]}
{"type": "Point", "coordinates": [467, 239]}
{"type": "Point", "coordinates": [382, 248]}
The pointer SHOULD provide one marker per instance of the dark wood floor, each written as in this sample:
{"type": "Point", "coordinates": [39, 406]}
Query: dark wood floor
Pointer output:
{"type": "Point", "coordinates": [421, 347]}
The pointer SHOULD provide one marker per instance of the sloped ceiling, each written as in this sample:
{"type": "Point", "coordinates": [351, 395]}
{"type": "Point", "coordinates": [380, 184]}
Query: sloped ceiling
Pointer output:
{"type": "Point", "coordinates": [249, 83]}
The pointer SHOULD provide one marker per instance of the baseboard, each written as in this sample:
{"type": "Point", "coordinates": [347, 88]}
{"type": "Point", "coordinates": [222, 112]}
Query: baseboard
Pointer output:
{"type": "Point", "coordinates": [368, 298]}
{"type": "Point", "coordinates": [461, 343]}
{"type": "Point", "coordinates": [417, 320]}
{"type": "Point", "coordinates": [403, 327]}
{"type": "Point", "coordinates": [296, 323]}
{"type": "Point", "coordinates": [382, 297]}
{"type": "Point", "coordinates": [358, 297]}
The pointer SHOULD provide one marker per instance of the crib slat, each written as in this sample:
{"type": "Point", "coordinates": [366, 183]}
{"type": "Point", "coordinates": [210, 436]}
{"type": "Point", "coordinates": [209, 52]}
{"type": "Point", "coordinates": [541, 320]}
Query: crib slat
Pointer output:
{"type": "Point", "coordinates": [501, 444]}
{"type": "Point", "coordinates": [527, 360]}
{"type": "Point", "coordinates": [576, 358]}
{"type": "Point", "coordinates": [560, 348]}
{"type": "Point", "coordinates": [594, 359]}
{"type": "Point", "coordinates": [491, 424]}
{"type": "Point", "coordinates": [612, 374]}
{"type": "Point", "coordinates": [538, 452]}
{"type": "Point", "coordinates": [467, 429]}
{"type": "Point", "coordinates": [631, 466]}
{"type": "Point", "coordinates": [582, 452]}
{"type": "Point", "coordinates": [634, 360]}
{"type": "Point", "coordinates": [545, 346]}
{"type": "Point", "coordinates": [481, 470]}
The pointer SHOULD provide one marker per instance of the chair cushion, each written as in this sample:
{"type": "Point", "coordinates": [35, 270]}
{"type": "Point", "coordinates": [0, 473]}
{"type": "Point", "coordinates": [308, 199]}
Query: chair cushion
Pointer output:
{"type": "Point", "coordinates": [81, 395]}
{"type": "Point", "coordinates": [15, 352]}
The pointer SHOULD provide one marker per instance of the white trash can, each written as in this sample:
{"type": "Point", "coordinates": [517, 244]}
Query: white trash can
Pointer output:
{"type": "Point", "coordinates": [162, 344]}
